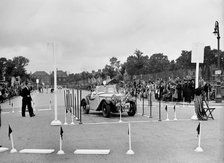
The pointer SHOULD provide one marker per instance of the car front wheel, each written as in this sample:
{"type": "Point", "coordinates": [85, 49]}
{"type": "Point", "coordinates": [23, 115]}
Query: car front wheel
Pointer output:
{"type": "Point", "coordinates": [106, 109]}
{"type": "Point", "coordinates": [84, 107]}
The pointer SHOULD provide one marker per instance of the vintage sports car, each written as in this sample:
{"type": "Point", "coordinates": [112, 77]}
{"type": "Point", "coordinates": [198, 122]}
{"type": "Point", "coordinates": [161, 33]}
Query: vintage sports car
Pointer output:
{"type": "Point", "coordinates": [107, 99]}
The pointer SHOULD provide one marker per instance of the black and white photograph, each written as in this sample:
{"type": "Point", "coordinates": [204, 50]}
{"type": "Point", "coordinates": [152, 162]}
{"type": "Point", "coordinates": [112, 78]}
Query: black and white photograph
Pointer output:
{"type": "Point", "coordinates": [111, 81]}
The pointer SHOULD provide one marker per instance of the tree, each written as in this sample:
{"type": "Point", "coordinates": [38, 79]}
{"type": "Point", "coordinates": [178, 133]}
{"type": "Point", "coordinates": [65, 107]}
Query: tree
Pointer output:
{"type": "Point", "coordinates": [137, 64]}
{"type": "Point", "coordinates": [3, 63]}
{"type": "Point", "coordinates": [158, 63]}
{"type": "Point", "coordinates": [109, 71]}
{"type": "Point", "coordinates": [184, 61]}
{"type": "Point", "coordinates": [172, 66]}
{"type": "Point", "coordinates": [115, 63]}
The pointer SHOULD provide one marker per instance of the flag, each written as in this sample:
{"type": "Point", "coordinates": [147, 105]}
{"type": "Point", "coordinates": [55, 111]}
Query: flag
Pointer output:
{"type": "Point", "coordinates": [198, 128]}
{"type": "Point", "coordinates": [166, 108]}
{"type": "Point", "coordinates": [10, 131]}
{"type": "Point", "coordinates": [174, 108]}
{"type": "Point", "coordinates": [61, 132]}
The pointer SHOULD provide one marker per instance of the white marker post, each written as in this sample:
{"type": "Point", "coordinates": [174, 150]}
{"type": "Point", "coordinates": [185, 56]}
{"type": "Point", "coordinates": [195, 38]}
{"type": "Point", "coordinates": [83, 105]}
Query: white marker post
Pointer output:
{"type": "Point", "coordinates": [130, 151]}
{"type": "Point", "coordinates": [167, 115]}
{"type": "Point", "coordinates": [55, 122]}
{"type": "Point", "coordinates": [197, 56]}
{"type": "Point", "coordinates": [120, 121]}
{"type": "Point", "coordinates": [71, 107]}
{"type": "Point", "coordinates": [65, 117]}
{"type": "Point", "coordinates": [13, 150]}
{"type": "Point", "coordinates": [199, 149]}
{"type": "Point", "coordinates": [175, 113]}
{"type": "Point", "coordinates": [13, 111]}
{"type": "Point", "coordinates": [60, 152]}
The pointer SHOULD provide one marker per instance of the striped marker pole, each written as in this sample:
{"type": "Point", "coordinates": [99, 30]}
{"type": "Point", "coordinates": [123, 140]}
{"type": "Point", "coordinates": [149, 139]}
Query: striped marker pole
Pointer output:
{"type": "Point", "coordinates": [13, 111]}
{"type": "Point", "coordinates": [65, 102]}
{"type": "Point", "coordinates": [120, 121]}
{"type": "Point", "coordinates": [167, 115]}
{"type": "Point", "coordinates": [143, 108]}
{"type": "Point", "coordinates": [72, 108]}
{"type": "Point", "coordinates": [60, 152]}
{"type": "Point", "coordinates": [130, 151]}
{"type": "Point", "coordinates": [150, 104]}
{"type": "Point", "coordinates": [77, 104]}
{"type": "Point", "coordinates": [80, 110]}
{"type": "Point", "coordinates": [175, 113]}
{"type": "Point", "coordinates": [199, 149]}
{"type": "Point", "coordinates": [76, 116]}
{"type": "Point", "coordinates": [160, 110]}
{"type": "Point", "coordinates": [55, 122]}
{"type": "Point", "coordinates": [13, 150]}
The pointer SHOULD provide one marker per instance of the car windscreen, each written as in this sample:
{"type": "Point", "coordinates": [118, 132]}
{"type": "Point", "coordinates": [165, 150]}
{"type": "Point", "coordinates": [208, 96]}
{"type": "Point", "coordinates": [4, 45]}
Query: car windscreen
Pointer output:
{"type": "Point", "coordinates": [106, 89]}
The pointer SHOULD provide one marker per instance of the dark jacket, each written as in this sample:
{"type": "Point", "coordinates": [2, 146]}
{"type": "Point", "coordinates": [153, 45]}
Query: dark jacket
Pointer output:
{"type": "Point", "coordinates": [26, 93]}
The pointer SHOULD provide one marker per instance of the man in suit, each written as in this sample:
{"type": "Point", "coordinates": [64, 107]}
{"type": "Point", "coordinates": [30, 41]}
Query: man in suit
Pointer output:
{"type": "Point", "coordinates": [26, 101]}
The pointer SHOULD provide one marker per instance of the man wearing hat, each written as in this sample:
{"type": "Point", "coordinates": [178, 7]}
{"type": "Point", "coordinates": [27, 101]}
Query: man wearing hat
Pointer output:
{"type": "Point", "coordinates": [26, 101]}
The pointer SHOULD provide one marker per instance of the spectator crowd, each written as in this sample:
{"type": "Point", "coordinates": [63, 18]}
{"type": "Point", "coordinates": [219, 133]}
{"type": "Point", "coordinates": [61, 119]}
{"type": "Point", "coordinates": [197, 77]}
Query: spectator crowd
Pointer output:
{"type": "Point", "coordinates": [171, 90]}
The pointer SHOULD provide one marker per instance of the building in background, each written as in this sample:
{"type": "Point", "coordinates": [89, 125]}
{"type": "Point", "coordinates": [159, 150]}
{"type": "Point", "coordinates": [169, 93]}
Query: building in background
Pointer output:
{"type": "Point", "coordinates": [62, 78]}
{"type": "Point", "coordinates": [43, 77]}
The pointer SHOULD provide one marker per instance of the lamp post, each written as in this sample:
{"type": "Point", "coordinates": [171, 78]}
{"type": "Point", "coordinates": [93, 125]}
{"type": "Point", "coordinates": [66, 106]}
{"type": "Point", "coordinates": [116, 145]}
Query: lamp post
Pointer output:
{"type": "Point", "coordinates": [218, 72]}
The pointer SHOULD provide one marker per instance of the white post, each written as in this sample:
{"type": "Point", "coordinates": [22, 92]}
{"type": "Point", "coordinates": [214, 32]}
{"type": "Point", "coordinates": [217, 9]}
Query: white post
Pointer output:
{"type": "Point", "coordinates": [65, 117]}
{"type": "Point", "coordinates": [55, 122]}
{"type": "Point", "coordinates": [60, 150]}
{"type": "Point", "coordinates": [130, 151]}
{"type": "Point", "coordinates": [199, 149]}
{"type": "Point", "coordinates": [12, 108]}
{"type": "Point", "coordinates": [72, 123]}
{"type": "Point", "coordinates": [175, 113]}
{"type": "Point", "coordinates": [120, 116]}
{"type": "Point", "coordinates": [194, 117]}
{"type": "Point", "coordinates": [13, 150]}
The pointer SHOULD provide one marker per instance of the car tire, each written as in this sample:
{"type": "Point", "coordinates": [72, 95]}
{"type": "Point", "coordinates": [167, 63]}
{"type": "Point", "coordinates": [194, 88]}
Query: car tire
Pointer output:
{"type": "Point", "coordinates": [106, 109]}
{"type": "Point", "coordinates": [132, 109]}
{"type": "Point", "coordinates": [84, 107]}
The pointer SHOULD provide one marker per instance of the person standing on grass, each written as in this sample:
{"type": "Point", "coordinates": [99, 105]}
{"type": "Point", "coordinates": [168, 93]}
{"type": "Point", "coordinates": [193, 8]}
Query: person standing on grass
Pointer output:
{"type": "Point", "coordinates": [26, 100]}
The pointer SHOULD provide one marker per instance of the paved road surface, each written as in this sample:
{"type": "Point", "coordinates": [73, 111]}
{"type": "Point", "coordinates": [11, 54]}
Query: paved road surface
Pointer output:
{"type": "Point", "coordinates": [152, 141]}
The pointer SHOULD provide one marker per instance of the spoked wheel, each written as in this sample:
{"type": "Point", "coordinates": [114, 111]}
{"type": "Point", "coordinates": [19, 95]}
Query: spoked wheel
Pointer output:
{"type": "Point", "coordinates": [106, 109]}
{"type": "Point", "coordinates": [84, 107]}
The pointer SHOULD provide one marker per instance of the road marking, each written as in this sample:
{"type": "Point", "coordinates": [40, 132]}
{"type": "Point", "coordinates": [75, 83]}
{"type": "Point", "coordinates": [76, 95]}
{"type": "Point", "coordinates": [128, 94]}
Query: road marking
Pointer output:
{"type": "Point", "coordinates": [3, 149]}
{"type": "Point", "coordinates": [152, 121]}
{"type": "Point", "coordinates": [92, 151]}
{"type": "Point", "coordinates": [5, 112]}
{"type": "Point", "coordinates": [36, 151]}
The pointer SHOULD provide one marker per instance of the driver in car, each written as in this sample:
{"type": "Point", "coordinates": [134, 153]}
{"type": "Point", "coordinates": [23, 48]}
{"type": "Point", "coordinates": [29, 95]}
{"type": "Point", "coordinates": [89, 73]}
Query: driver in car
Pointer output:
{"type": "Point", "coordinates": [93, 94]}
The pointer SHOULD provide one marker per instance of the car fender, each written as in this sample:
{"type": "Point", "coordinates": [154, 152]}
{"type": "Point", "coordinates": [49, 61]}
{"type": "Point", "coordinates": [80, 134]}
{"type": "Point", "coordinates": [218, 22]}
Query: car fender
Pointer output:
{"type": "Point", "coordinates": [104, 100]}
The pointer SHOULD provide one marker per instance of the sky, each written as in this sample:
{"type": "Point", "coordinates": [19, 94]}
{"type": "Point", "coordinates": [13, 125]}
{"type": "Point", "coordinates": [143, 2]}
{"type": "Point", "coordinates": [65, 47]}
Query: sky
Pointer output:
{"type": "Point", "coordinates": [87, 33]}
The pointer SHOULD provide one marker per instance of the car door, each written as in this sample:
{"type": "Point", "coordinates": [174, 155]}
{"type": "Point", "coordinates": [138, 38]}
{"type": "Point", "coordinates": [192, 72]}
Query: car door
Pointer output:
{"type": "Point", "coordinates": [94, 101]}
